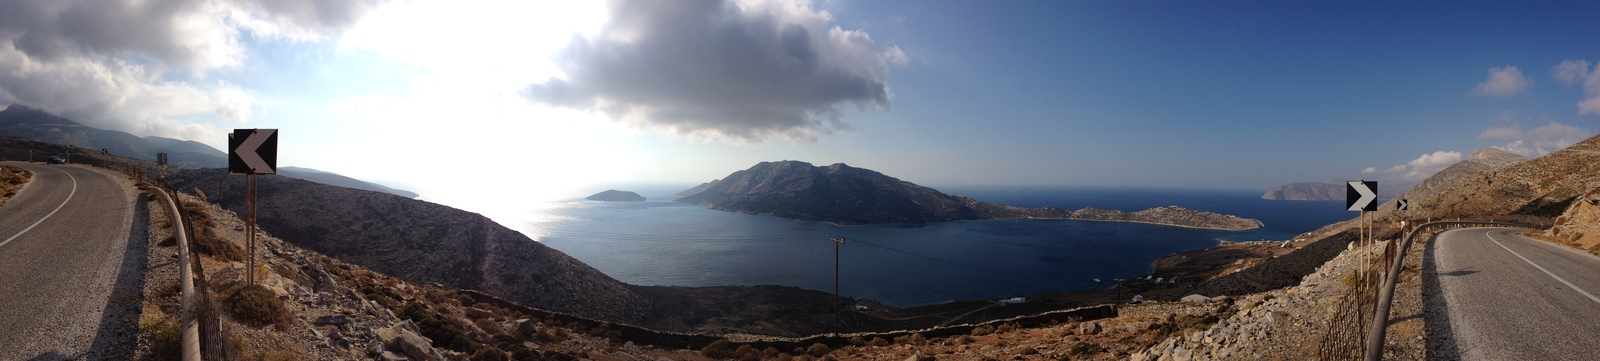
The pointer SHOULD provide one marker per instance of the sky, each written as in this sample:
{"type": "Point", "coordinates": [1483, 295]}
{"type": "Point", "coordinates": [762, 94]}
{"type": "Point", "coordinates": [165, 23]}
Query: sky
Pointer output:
{"type": "Point", "coordinates": [466, 101]}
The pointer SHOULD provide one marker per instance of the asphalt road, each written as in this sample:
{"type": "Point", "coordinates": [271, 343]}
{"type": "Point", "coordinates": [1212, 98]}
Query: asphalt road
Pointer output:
{"type": "Point", "coordinates": [67, 273]}
{"type": "Point", "coordinates": [1514, 298]}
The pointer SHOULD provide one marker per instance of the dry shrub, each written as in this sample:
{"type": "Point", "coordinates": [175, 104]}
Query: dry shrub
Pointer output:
{"type": "Point", "coordinates": [488, 354]}
{"type": "Point", "coordinates": [747, 353]}
{"type": "Point", "coordinates": [166, 338]}
{"type": "Point", "coordinates": [257, 305]}
{"type": "Point", "coordinates": [818, 350]}
{"type": "Point", "coordinates": [205, 238]}
{"type": "Point", "coordinates": [982, 330]}
{"type": "Point", "coordinates": [912, 339]}
{"type": "Point", "coordinates": [718, 349]}
{"type": "Point", "coordinates": [878, 342]}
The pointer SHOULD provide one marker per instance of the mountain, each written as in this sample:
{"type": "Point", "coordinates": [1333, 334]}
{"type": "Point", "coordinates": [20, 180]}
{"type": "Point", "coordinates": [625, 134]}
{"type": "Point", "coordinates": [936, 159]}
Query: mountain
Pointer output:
{"type": "Point", "coordinates": [1306, 191]}
{"type": "Point", "coordinates": [847, 195]}
{"type": "Point", "coordinates": [613, 195]}
{"type": "Point", "coordinates": [1329, 191]}
{"type": "Point", "coordinates": [1536, 190]}
{"type": "Point", "coordinates": [697, 189]}
{"type": "Point", "coordinates": [837, 193]}
{"type": "Point", "coordinates": [28, 123]}
{"type": "Point", "coordinates": [334, 179]}
{"type": "Point", "coordinates": [1479, 161]}
{"type": "Point", "coordinates": [422, 242]}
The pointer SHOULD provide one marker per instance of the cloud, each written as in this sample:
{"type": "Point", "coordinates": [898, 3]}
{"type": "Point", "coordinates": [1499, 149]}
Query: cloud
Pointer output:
{"type": "Point", "coordinates": [1418, 169]}
{"type": "Point", "coordinates": [1572, 72]}
{"type": "Point", "coordinates": [728, 70]}
{"type": "Point", "coordinates": [1505, 81]}
{"type": "Point", "coordinates": [140, 65]}
{"type": "Point", "coordinates": [1539, 141]}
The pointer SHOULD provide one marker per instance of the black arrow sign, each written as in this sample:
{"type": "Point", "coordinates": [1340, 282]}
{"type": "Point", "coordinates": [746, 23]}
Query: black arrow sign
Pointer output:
{"type": "Point", "coordinates": [1361, 196]}
{"type": "Point", "coordinates": [253, 151]}
{"type": "Point", "coordinates": [1402, 204]}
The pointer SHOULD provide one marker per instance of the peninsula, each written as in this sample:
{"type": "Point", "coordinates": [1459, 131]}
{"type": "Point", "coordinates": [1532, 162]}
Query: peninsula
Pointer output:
{"type": "Point", "coordinates": [846, 195]}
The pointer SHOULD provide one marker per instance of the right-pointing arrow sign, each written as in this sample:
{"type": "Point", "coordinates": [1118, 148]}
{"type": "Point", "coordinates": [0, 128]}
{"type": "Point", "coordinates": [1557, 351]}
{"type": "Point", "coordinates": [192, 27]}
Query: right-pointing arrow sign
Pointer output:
{"type": "Point", "coordinates": [1402, 204]}
{"type": "Point", "coordinates": [253, 151]}
{"type": "Point", "coordinates": [1361, 196]}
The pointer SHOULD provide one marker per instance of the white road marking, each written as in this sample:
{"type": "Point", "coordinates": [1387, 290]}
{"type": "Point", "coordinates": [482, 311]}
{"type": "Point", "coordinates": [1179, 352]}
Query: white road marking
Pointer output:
{"type": "Point", "coordinates": [1535, 265]}
{"type": "Point", "coordinates": [58, 208]}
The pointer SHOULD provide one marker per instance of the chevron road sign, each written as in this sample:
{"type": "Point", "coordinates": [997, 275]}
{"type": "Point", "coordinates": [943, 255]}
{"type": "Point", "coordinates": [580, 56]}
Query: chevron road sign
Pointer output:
{"type": "Point", "coordinates": [1361, 196]}
{"type": "Point", "coordinates": [1402, 204]}
{"type": "Point", "coordinates": [253, 151]}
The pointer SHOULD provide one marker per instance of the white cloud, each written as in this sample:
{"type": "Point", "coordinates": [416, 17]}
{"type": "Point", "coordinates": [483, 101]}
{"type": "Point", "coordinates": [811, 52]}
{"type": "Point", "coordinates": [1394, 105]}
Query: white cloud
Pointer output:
{"type": "Point", "coordinates": [1539, 141]}
{"type": "Point", "coordinates": [728, 70]}
{"type": "Point", "coordinates": [1438, 159]}
{"type": "Point", "coordinates": [1418, 169]}
{"type": "Point", "coordinates": [1505, 81]}
{"type": "Point", "coordinates": [141, 65]}
{"type": "Point", "coordinates": [1571, 72]}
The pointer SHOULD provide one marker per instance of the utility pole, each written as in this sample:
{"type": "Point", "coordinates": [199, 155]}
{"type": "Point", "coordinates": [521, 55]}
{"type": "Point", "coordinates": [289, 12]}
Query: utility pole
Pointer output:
{"type": "Point", "coordinates": [837, 241]}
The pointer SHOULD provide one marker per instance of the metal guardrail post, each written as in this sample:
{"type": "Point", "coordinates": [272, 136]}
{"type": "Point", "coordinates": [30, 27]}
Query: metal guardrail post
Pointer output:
{"type": "Point", "coordinates": [191, 328]}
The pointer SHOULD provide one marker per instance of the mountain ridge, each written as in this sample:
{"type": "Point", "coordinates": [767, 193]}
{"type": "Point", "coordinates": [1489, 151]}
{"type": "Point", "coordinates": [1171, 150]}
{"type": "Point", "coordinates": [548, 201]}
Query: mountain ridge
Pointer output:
{"type": "Point", "coordinates": [846, 195]}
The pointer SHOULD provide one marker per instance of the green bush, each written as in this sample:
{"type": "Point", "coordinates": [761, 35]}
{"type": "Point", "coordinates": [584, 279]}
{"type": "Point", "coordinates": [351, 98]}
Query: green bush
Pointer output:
{"type": "Point", "coordinates": [255, 304]}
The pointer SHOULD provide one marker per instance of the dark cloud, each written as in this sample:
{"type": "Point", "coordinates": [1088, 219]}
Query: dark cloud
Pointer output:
{"type": "Point", "coordinates": [732, 70]}
{"type": "Point", "coordinates": [105, 63]}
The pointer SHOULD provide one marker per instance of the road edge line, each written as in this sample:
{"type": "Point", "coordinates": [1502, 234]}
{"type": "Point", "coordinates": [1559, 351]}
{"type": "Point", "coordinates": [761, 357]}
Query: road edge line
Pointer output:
{"type": "Point", "coordinates": [74, 192]}
{"type": "Point", "coordinates": [1541, 268]}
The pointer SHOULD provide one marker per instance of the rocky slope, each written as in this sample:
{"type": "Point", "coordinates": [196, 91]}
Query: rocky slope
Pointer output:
{"type": "Point", "coordinates": [422, 242]}
{"type": "Point", "coordinates": [1536, 190]}
{"type": "Point", "coordinates": [855, 196]}
{"type": "Point", "coordinates": [613, 195]}
{"type": "Point", "coordinates": [1479, 161]}
{"type": "Point", "coordinates": [1579, 226]}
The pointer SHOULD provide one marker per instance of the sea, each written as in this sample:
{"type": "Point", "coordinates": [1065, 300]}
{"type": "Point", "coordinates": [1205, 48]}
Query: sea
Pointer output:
{"type": "Point", "coordinates": [666, 243]}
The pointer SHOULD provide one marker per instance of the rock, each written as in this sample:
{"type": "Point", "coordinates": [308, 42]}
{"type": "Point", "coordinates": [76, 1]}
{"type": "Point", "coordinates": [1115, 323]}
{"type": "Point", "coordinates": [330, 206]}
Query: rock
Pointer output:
{"type": "Point", "coordinates": [1089, 328]}
{"type": "Point", "coordinates": [332, 320]}
{"type": "Point", "coordinates": [416, 347]}
{"type": "Point", "coordinates": [1276, 316]}
{"type": "Point", "coordinates": [1220, 298]}
{"type": "Point", "coordinates": [523, 327]}
{"type": "Point", "coordinates": [391, 356]}
{"type": "Point", "coordinates": [1195, 298]}
{"type": "Point", "coordinates": [477, 313]}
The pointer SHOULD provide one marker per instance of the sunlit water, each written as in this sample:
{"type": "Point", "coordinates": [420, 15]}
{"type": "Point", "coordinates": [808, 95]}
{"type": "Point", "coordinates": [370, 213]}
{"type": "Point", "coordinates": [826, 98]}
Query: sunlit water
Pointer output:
{"type": "Point", "coordinates": [660, 242]}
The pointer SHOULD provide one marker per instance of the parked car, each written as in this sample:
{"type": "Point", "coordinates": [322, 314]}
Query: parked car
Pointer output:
{"type": "Point", "coordinates": [56, 160]}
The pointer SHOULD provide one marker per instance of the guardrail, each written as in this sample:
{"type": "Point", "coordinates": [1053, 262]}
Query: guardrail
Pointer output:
{"type": "Point", "coordinates": [1380, 315]}
{"type": "Point", "coordinates": [191, 328]}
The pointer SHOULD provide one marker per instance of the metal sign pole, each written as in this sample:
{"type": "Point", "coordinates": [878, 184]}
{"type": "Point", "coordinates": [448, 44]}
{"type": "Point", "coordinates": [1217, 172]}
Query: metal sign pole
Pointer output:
{"type": "Point", "coordinates": [250, 222]}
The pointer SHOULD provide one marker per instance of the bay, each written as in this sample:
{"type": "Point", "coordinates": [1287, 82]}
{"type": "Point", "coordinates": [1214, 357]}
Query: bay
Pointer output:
{"type": "Point", "coordinates": [660, 242]}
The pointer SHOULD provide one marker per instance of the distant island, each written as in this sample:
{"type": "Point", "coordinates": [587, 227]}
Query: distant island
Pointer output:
{"type": "Point", "coordinates": [1329, 191]}
{"type": "Point", "coordinates": [846, 195]}
{"type": "Point", "coordinates": [613, 195]}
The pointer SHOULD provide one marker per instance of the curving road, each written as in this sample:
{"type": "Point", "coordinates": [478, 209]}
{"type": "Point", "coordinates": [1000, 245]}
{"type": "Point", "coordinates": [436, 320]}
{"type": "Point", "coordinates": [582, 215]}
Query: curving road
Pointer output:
{"type": "Point", "coordinates": [68, 276]}
{"type": "Point", "coordinates": [1512, 298]}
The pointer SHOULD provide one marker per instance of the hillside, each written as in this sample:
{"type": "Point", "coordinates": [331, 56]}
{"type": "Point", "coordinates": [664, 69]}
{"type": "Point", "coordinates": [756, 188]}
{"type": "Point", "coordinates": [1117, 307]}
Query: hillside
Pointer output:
{"type": "Point", "coordinates": [846, 195]}
{"type": "Point", "coordinates": [1479, 161]}
{"type": "Point", "coordinates": [1536, 190]}
{"type": "Point", "coordinates": [22, 122]}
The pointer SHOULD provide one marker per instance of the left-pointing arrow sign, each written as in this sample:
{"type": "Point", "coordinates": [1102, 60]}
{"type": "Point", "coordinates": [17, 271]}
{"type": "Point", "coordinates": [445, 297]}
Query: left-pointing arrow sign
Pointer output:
{"type": "Point", "coordinates": [1361, 196]}
{"type": "Point", "coordinates": [253, 151]}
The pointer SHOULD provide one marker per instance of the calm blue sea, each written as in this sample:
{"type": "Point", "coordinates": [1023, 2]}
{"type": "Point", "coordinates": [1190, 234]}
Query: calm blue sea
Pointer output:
{"type": "Point", "coordinates": [660, 242]}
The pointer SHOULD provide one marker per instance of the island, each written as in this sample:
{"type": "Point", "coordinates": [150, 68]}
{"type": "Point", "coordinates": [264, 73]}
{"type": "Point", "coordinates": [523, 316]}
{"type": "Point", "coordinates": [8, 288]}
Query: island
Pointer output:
{"type": "Point", "coordinates": [846, 195]}
{"type": "Point", "coordinates": [613, 195]}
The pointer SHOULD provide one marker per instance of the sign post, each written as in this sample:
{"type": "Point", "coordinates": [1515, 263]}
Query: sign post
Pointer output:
{"type": "Point", "coordinates": [252, 152]}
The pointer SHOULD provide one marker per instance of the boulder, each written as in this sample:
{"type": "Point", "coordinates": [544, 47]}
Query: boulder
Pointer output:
{"type": "Point", "coordinates": [416, 346]}
{"type": "Point", "coordinates": [1195, 298]}
{"type": "Point", "coordinates": [1089, 328]}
